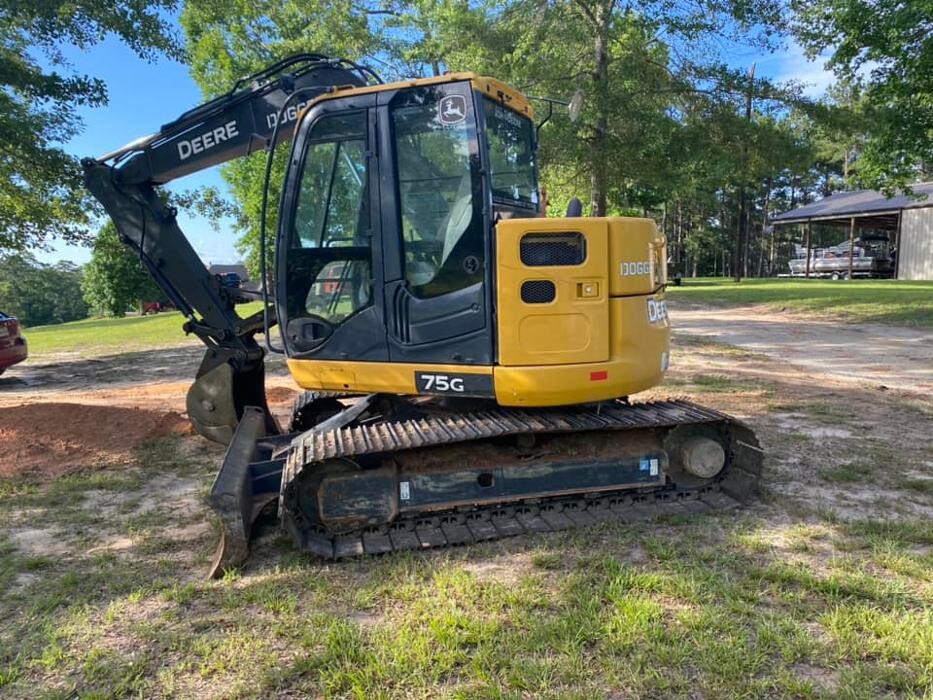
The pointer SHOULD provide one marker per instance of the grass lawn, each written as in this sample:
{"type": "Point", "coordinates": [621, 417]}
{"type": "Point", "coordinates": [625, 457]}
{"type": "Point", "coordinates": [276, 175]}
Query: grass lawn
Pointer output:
{"type": "Point", "coordinates": [102, 594]}
{"type": "Point", "coordinates": [96, 336]}
{"type": "Point", "coordinates": [720, 606]}
{"type": "Point", "coordinates": [886, 301]}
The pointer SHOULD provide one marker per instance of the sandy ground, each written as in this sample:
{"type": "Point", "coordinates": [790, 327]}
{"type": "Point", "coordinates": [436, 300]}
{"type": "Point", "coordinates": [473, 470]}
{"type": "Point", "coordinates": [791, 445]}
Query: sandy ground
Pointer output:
{"type": "Point", "coordinates": [866, 354]}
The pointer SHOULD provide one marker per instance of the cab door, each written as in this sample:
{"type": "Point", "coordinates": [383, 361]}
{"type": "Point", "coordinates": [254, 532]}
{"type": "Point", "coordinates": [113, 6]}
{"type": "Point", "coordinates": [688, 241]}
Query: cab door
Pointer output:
{"type": "Point", "coordinates": [435, 227]}
{"type": "Point", "coordinates": [329, 260]}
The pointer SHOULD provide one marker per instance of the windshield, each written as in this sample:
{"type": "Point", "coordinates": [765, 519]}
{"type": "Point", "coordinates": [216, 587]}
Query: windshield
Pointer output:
{"type": "Point", "coordinates": [511, 155]}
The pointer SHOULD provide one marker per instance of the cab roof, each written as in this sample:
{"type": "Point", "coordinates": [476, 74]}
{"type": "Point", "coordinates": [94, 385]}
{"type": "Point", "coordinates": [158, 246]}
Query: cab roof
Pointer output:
{"type": "Point", "coordinates": [492, 88]}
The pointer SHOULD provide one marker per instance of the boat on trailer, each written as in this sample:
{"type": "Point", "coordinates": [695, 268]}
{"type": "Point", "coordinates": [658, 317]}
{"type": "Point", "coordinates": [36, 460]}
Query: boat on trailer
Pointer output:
{"type": "Point", "coordinates": [871, 258]}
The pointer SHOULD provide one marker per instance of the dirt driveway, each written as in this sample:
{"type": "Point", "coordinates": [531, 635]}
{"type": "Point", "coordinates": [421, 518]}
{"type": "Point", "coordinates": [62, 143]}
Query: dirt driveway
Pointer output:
{"type": "Point", "coordinates": [866, 354]}
{"type": "Point", "coordinates": [149, 379]}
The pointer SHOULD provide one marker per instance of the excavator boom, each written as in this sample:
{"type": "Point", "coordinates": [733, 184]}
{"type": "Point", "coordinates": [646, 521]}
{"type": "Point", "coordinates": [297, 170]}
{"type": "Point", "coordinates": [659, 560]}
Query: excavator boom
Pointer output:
{"type": "Point", "coordinates": [125, 181]}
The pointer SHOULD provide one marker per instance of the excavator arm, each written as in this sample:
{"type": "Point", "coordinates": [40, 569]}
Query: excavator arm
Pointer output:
{"type": "Point", "coordinates": [126, 181]}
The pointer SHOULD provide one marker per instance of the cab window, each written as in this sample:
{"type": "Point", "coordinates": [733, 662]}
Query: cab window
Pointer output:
{"type": "Point", "coordinates": [332, 201]}
{"type": "Point", "coordinates": [332, 212]}
{"type": "Point", "coordinates": [437, 165]}
{"type": "Point", "coordinates": [511, 155]}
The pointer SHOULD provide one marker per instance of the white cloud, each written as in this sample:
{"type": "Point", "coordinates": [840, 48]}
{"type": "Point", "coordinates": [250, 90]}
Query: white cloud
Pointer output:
{"type": "Point", "coordinates": [792, 65]}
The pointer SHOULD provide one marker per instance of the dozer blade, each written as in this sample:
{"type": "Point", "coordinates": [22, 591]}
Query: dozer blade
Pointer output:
{"type": "Point", "coordinates": [250, 478]}
{"type": "Point", "coordinates": [247, 482]}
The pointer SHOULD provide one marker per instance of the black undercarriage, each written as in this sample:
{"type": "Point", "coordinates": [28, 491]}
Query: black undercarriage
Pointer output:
{"type": "Point", "coordinates": [391, 474]}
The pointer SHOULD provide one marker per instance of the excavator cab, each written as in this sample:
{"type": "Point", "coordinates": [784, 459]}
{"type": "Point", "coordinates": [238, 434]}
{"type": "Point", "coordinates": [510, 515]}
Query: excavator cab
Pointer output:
{"type": "Point", "coordinates": [412, 257]}
{"type": "Point", "coordinates": [386, 238]}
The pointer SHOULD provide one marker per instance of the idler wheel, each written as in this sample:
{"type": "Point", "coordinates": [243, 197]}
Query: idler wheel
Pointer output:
{"type": "Point", "coordinates": [695, 454]}
{"type": "Point", "coordinates": [702, 457]}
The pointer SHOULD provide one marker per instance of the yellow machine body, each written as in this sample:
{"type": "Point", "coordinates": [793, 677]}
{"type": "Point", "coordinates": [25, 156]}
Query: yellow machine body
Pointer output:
{"type": "Point", "coordinates": [604, 334]}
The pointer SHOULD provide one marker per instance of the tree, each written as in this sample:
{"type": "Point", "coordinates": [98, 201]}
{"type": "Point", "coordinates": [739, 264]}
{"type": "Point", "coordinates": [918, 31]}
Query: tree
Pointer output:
{"type": "Point", "coordinates": [663, 130]}
{"type": "Point", "coordinates": [40, 294]}
{"type": "Point", "coordinates": [227, 39]}
{"type": "Point", "coordinates": [41, 192]}
{"type": "Point", "coordinates": [638, 66]}
{"type": "Point", "coordinates": [887, 49]}
{"type": "Point", "coordinates": [114, 279]}
{"type": "Point", "coordinates": [842, 128]}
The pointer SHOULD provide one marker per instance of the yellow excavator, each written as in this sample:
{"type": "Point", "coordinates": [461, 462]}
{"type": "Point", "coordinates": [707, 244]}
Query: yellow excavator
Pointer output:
{"type": "Point", "coordinates": [467, 362]}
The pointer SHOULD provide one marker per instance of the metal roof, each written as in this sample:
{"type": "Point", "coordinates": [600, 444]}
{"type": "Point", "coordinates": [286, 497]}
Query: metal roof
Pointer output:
{"type": "Point", "coordinates": [860, 202]}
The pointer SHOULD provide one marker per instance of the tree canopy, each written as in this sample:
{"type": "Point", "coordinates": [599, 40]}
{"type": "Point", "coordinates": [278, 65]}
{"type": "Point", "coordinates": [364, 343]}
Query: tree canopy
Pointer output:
{"type": "Point", "coordinates": [41, 193]}
{"type": "Point", "coordinates": [670, 126]}
{"type": "Point", "coordinates": [663, 121]}
{"type": "Point", "coordinates": [40, 294]}
{"type": "Point", "coordinates": [114, 280]}
{"type": "Point", "coordinates": [885, 49]}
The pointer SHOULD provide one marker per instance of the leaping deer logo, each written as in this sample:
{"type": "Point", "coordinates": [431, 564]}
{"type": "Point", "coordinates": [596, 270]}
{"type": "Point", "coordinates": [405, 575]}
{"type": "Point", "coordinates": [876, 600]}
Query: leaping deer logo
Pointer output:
{"type": "Point", "coordinates": [452, 109]}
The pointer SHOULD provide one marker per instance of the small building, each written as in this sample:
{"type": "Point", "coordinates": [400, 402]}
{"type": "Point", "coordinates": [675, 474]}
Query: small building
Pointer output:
{"type": "Point", "coordinates": [906, 220]}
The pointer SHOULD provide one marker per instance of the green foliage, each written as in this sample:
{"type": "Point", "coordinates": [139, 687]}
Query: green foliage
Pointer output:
{"type": "Point", "coordinates": [227, 39]}
{"type": "Point", "coordinates": [39, 294]}
{"type": "Point", "coordinates": [644, 137]}
{"type": "Point", "coordinates": [887, 48]}
{"type": "Point", "coordinates": [114, 279]}
{"type": "Point", "coordinates": [663, 131]}
{"type": "Point", "coordinates": [634, 143]}
{"type": "Point", "coordinates": [41, 194]}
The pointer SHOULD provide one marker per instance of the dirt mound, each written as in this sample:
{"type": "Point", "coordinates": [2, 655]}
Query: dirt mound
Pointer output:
{"type": "Point", "coordinates": [55, 438]}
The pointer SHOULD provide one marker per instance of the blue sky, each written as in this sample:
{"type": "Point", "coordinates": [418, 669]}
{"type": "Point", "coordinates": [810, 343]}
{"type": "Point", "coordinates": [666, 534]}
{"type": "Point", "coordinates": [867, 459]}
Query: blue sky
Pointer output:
{"type": "Point", "coordinates": [143, 96]}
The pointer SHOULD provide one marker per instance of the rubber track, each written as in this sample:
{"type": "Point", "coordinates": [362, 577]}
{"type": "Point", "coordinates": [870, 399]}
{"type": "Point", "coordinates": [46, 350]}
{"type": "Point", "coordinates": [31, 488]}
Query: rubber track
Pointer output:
{"type": "Point", "coordinates": [736, 484]}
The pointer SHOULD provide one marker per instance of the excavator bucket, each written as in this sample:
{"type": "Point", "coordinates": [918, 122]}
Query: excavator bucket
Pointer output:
{"type": "Point", "coordinates": [247, 482]}
{"type": "Point", "coordinates": [220, 395]}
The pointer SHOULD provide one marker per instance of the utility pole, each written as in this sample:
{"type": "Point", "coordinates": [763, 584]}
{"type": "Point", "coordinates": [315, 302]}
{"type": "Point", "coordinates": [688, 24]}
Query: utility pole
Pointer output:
{"type": "Point", "coordinates": [740, 265]}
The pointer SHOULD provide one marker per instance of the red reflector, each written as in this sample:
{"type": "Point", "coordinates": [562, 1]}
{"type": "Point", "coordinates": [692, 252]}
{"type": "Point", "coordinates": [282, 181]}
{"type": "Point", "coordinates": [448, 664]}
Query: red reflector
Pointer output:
{"type": "Point", "coordinates": [599, 376]}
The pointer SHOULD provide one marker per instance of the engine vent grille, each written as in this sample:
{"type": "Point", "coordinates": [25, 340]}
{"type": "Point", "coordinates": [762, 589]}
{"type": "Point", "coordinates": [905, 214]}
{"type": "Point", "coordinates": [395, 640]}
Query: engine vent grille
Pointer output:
{"type": "Point", "coordinates": [562, 249]}
{"type": "Point", "coordinates": [538, 292]}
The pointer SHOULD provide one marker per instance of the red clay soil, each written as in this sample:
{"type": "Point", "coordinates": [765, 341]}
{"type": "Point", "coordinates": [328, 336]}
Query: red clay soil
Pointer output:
{"type": "Point", "coordinates": [56, 438]}
{"type": "Point", "coordinates": [280, 394]}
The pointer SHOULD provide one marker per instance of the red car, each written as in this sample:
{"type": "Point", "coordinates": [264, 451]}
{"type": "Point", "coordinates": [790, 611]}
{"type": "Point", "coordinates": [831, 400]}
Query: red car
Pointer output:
{"type": "Point", "coordinates": [12, 344]}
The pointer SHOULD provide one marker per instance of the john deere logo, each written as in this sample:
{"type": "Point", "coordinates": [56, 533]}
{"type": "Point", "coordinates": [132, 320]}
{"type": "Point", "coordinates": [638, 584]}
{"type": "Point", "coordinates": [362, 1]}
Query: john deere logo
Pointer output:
{"type": "Point", "coordinates": [452, 109]}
